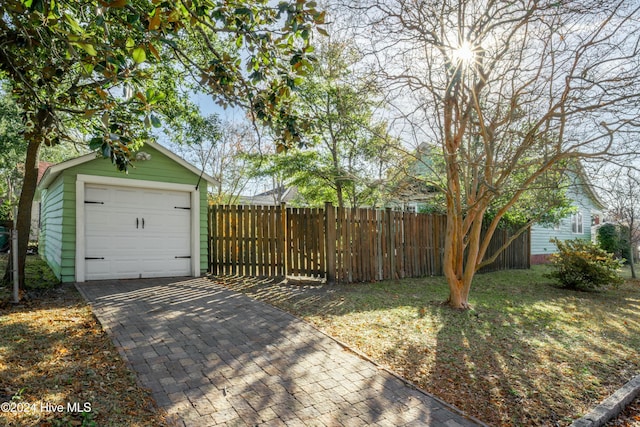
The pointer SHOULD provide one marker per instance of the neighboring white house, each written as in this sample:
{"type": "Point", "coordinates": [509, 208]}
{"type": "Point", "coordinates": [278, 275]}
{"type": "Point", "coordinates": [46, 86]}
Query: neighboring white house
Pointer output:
{"type": "Point", "coordinates": [581, 224]}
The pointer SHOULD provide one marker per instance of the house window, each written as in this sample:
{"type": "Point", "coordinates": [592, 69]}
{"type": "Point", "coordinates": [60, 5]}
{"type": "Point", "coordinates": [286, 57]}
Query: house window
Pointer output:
{"type": "Point", "coordinates": [576, 223]}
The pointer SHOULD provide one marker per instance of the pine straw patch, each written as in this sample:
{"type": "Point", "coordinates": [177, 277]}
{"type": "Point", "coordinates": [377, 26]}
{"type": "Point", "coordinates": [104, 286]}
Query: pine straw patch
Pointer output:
{"type": "Point", "coordinates": [528, 354]}
{"type": "Point", "coordinates": [54, 352]}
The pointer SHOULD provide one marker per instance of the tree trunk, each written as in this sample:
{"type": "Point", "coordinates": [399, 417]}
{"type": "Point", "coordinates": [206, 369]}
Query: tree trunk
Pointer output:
{"type": "Point", "coordinates": [459, 273]}
{"type": "Point", "coordinates": [459, 283]}
{"type": "Point", "coordinates": [632, 253]}
{"type": "Point", "coordinates": [339, 194]}
{"type": "Point", "coordinates": [23, 220]}
{"type": "Point", "coordinates": [459, 294]}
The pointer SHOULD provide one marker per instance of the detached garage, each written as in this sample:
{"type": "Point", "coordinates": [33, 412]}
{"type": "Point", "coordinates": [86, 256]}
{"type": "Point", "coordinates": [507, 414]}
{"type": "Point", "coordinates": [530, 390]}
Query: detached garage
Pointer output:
{"type": "Point", "coordinates": [98, 223]}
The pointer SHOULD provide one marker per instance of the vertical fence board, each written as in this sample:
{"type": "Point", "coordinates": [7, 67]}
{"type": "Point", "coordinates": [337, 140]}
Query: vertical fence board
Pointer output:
{"type": "Point", "coordinates": [222, 248]}
{"type": "Point", "coordinates": [340, 244]}
{"type": "Point", "coordinates": [211, 251]}
{"type": "Point", "coordinates": [231, 238]}
{"type": "Point", "coordinates": [277, 239]}
{"type": "Point", "coordinates": [259, 224]}
{"type": "Point", "coordinates": [344, 243]}
{"type": "Point", "coordinates": [322, 231]}
{"type": "Point", "coordinates": [330, 231]}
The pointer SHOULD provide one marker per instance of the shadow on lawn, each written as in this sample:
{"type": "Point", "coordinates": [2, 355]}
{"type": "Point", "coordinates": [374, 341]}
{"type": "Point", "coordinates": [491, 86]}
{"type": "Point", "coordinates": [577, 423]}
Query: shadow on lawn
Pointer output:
{"type": "Point", "coordinates": [519, 366]}
{"type": "Point", "coordinates": [486, 373]}
{"type": "Point", "coordinates": [528, 355]}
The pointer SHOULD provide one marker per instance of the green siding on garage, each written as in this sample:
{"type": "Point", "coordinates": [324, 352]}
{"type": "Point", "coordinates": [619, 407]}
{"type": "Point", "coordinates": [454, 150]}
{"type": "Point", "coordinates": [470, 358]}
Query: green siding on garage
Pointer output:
{"type": "Point", "coordinates": [59, 205]}
{"type": "Point", "coordinates": [51, 226]}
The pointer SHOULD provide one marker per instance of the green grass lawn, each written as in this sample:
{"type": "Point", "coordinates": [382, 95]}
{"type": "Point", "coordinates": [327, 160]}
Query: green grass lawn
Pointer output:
{"type": "Point", "coordinates": [529, 353]}
{"type": "Point", "coordinates": [38, 276]}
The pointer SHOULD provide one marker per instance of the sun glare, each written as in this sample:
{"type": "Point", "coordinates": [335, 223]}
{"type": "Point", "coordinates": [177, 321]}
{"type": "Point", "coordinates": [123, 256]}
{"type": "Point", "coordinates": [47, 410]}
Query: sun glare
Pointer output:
{"type": "Point", "coordinates": [464, 53]}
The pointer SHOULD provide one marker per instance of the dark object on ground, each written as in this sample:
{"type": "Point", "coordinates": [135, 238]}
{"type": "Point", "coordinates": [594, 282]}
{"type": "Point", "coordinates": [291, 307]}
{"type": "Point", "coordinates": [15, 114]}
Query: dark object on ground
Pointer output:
{"type": "Point", "coordinates": [4, 238]}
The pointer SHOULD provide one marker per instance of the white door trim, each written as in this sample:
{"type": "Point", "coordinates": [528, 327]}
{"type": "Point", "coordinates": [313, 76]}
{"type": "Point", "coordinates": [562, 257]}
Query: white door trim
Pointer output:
{"type": "Point", "coordinates": [82, 180]}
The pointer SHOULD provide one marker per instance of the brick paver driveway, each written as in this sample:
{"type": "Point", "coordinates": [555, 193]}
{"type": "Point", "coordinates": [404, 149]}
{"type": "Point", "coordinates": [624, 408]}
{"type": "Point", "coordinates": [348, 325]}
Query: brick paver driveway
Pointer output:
{"type": "Point", "coordinates": [215, 357]}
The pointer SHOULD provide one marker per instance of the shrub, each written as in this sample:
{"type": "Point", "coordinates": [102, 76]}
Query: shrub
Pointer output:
{"type": "Point", "coordinates": [5, 210]}
{"type": "Point", "coordinates": [614, 238]}
{"type": "Point", "coordinates": [609, 238]}
{"type": "Point", "coordinates": [582, 265]}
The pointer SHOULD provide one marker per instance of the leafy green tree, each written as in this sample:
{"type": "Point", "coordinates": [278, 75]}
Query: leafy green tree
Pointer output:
{"type": "Point", "coordinates": [349, 151]}
{"type": "Point", "coordinates": [288, 168]}
{"type": "Point", "coordinates": [626, 247]}
{"type": "Point", "coordinates": [11, 153]}
{"type": "Point", "coordinates": [94, 66]}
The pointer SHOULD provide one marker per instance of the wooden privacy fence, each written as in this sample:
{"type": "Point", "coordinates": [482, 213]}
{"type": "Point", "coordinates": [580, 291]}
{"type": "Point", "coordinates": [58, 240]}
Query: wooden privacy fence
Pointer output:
{"type": "Point", "coordinates": [339, 244]}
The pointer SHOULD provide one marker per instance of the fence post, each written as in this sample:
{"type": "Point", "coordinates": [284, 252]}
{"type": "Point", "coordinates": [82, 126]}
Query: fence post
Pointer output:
{"type": "Point", "coordinates": [391, 247]}
{"type": "Point", "coordinates": [527, 248]}
{"type": "Point", "coordinates": [211, 240]}
{"type": "Point", "coordinates": [285, 234]}
{"type": "Point", "coordinates": [14, 253]}
{"type": "Point", "coordinates": [330, 241]}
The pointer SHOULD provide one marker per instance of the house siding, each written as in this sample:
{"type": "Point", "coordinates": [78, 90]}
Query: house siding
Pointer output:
{"type": "Point", "coordinates": [51, 226]}
{"type": "Point", "coordinates": [540, 235]}
{"type": "Point", "coordinates": [159, 169]}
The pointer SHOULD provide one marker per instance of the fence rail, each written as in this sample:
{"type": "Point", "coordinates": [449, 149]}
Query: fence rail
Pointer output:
{"type": "Point", "coordinates": [339, 244]}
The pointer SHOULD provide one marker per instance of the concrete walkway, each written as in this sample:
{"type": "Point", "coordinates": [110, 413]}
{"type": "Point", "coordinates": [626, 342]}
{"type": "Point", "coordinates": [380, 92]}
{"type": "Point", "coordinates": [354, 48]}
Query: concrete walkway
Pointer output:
{"type": "Point", "coordinates": [211, 357]}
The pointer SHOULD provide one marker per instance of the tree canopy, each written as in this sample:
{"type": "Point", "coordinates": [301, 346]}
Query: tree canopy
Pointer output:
{"type": "Point", "coordinates": [505, 93]}
{"type": "Point", "coordinates": [93, 67]}
{"type": "Point", "coordinates": [348, 149]}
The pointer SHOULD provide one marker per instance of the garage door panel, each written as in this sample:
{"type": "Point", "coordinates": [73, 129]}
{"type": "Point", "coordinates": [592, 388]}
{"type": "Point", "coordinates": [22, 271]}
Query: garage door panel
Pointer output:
{"type": "Point", "coordinates": [174, 267]}
{"type": "Point", "coordinates": [112, 269]}
{"type": "Point", "coordinates": [138, 232]}
{"type": "Point", "coordinates": [97, 194]}
{"type": "Point", "coordinates": [112, 240]}
{"type": "Point", "coordinates": [97, 269]}
{"type": "Point", "coordinates": [115, 251]}
{"type": "Point", "coordinates": [107, 219]}
{"type": "Point", "coordinates": [175, 246]}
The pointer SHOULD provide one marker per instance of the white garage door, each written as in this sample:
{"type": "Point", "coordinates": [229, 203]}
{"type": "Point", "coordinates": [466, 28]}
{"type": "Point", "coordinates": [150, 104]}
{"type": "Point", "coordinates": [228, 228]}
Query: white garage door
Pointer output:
{"type": "Point", "coordinates": [136, 233]}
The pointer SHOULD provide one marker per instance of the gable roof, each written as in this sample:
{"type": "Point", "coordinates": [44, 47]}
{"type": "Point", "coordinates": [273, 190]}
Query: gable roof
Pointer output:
{"type": "Point", "coordinates": [283, 193]}
{"type": "Point", "coordinates": [42, 168]}
{"type": "Point", "coordinates": [587, 186]}
{"type": "Point", "coordinates": [54, 171]}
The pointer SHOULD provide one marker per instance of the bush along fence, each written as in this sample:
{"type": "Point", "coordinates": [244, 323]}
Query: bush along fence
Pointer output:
{"type": "Point", "coordinates": [339, 244]}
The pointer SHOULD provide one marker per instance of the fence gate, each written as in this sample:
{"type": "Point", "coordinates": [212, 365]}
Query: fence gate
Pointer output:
{"type": "Point", "coordinates": [305, 242]}
{"type": "Point", "coordinates": [246, 240]}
